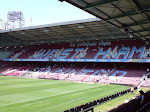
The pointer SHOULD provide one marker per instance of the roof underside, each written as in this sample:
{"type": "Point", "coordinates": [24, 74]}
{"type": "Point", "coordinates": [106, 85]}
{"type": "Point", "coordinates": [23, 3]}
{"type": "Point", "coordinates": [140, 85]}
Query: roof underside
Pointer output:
{"type": "Point", "coordinates": [66, 32]}
{"type": "Point", "coordinates": [133, 16]}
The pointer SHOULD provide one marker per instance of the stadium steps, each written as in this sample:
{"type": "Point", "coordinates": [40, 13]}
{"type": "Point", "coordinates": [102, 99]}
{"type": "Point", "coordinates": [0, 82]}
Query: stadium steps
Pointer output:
{"type": "Point", "coordinates": [112, 71]}
{"type": "Point", "coordinates": [80, 70]}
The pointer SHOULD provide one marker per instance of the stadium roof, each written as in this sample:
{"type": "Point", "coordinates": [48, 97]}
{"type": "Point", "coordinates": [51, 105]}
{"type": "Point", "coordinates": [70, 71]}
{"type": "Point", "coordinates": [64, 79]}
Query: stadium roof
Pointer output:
{"type": "Point", "coordinates": [133, 16]}
{"type": "Point", "coordinates": [66, 32]}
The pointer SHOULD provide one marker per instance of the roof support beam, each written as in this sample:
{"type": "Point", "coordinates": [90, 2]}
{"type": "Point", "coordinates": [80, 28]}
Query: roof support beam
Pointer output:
{"type": "Point", "coordinates": [138, 10]}
{"type": "Point", "coordinates": [89, 31]}
{"type": "Point", "coordinates": [74, 31]}
{"type": "Point", "coordinates": [56, 33]}
{"type": "Point", "coordinates": [137, 23]}
{"type": "Point", "coordinates": [130, 13]}
{"type": "Point", "coordinates": [10, 38]}
{"type": "Point", "coordinates": [143, 30]}
{"type": "Point", "coordinates": [7, 40]}
{"type": "Point", "coordinates": [69, 32]}
{"type": "Point", "coordinates": [108, 37]}
{"type": "Point", "coordinates": [109, 31]}
{"type": "Point", "coordinates": [82, 2]}
{"type": "Point", "coordinates": [146, 36]}
{"type": "Point", "coordinates": [98, 3]}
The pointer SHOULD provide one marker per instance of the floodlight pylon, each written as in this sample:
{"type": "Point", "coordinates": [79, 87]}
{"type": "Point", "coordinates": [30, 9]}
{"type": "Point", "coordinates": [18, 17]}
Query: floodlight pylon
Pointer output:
{"type": "Point", "coordinates": [15, 19]}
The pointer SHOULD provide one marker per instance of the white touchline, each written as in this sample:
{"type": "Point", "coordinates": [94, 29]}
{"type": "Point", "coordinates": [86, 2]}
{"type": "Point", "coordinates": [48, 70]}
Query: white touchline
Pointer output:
{"type": "Point", "coordinates": [47, 96]}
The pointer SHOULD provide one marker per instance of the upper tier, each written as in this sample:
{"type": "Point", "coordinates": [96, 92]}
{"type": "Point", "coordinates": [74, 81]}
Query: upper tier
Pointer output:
{"type": "Point", "coordinates": [107, 51]}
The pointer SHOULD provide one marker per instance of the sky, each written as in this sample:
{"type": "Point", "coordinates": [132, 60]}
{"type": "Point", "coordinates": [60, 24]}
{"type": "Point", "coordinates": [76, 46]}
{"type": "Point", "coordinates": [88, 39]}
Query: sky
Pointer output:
{"type": "Point", "coordinates": [39, 12]}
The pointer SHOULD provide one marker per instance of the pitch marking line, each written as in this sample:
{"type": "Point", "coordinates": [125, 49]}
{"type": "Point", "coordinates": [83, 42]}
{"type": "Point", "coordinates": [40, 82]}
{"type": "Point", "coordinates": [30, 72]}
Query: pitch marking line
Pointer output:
{"type": "Point", "coordinates": [48, 96]}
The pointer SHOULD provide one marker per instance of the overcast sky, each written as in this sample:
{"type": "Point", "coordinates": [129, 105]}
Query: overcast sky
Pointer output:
{"type": "Point", "coordinates": [43, 11]}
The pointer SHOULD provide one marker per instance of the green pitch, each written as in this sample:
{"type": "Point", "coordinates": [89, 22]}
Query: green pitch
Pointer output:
{"type": "Point", "coordinates": [37, 95]}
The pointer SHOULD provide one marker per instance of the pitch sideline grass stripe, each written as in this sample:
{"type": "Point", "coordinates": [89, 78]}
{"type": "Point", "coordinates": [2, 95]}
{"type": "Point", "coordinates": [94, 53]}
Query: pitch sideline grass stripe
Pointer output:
{"type": "Point", "coordinates": [48, 96]}
{"type": "Point", "coordinates": [61, 104]}
{"type": "Point", "coordinates": [39, 87]}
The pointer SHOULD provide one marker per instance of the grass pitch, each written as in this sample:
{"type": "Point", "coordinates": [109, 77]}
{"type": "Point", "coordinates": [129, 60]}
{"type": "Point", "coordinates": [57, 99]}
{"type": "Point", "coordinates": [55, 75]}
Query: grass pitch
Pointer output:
{"type": "Point", "coordinates": [38, 95]}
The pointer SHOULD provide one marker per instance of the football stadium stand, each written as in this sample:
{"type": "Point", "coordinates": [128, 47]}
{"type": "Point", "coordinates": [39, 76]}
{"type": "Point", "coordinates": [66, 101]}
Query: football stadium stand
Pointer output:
{"type": "Point", "coordinates": [89, 51]}
{"type": "Point", "coordinates": [108, 51]}
{"type": "Point", "coordinates": [68, 56]}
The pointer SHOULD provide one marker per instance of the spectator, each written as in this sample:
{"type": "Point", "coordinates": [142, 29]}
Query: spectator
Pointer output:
{"type": "Point", "coordinates": [132, 90]}
{"type": "Point", "coordinates": [141, 95]}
